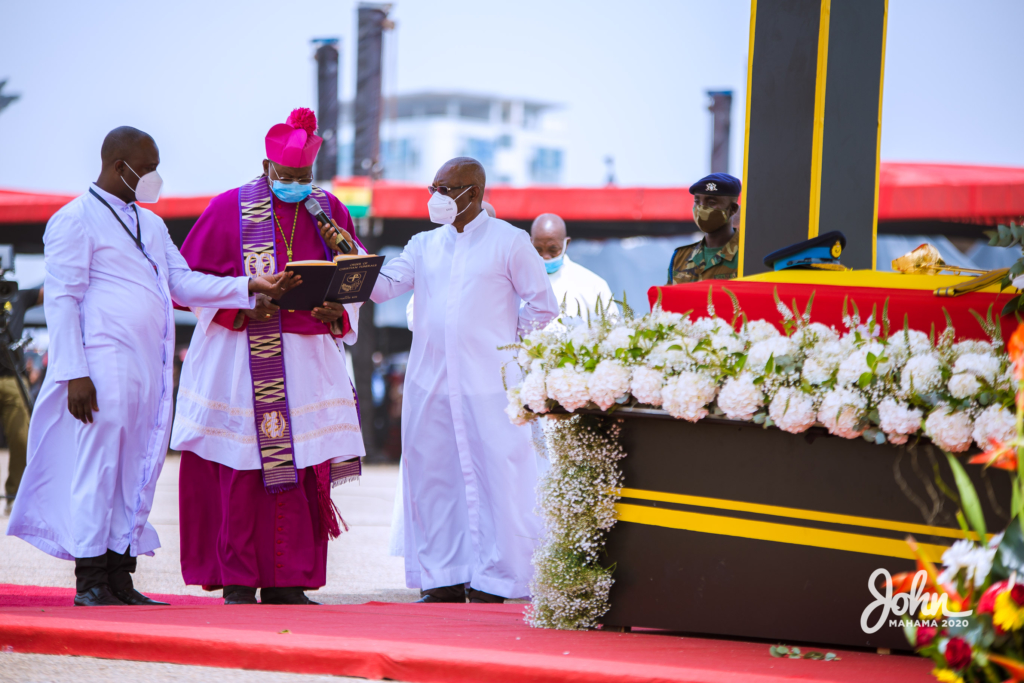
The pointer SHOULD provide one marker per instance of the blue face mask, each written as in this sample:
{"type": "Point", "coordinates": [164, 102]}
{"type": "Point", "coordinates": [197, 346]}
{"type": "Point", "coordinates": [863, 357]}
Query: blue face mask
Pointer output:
{"type": "Point", "coordinates": [555, 264]}
{"type": "Point", "coordinates": [291, 193]}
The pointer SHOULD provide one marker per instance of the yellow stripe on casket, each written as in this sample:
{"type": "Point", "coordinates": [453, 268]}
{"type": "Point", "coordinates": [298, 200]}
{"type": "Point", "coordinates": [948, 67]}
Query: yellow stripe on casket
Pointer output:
{"type": "Point", "coordinates": [795, 513]}
{"type": "Point", "coordinates": [772, 531]}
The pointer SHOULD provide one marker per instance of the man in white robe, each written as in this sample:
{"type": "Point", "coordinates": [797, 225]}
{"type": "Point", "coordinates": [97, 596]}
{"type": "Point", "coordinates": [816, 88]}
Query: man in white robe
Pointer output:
{"type": "Point", "coordinates": [469, 475]}
{"type": "Point", "coordinates": [101, 424]}
{"type": "Point", "coordinates": [578, 289]}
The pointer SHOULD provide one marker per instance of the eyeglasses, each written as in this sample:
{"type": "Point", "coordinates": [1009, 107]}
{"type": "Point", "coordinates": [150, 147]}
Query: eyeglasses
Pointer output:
{"type": "Point", "coordinates": [289, 181]}
{"type": "Point", "coordinates": [446, 191]}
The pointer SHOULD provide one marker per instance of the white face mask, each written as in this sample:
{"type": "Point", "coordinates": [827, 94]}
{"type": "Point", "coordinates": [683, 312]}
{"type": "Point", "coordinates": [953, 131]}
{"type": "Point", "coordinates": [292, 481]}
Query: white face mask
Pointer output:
{"type": "Point", "coordinates": [443, 209]}
{"type": "Point", "coordinates": [148, 189]}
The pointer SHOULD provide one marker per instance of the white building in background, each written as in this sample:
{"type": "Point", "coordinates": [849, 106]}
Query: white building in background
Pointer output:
{"type": "Point", "coordinates": [519, 142]}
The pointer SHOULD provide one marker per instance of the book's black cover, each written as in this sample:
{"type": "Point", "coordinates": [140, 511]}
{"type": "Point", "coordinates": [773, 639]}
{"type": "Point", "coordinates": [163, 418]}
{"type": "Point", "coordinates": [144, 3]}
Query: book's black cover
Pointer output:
{"type": "Point", "coordinates": [348, 281]}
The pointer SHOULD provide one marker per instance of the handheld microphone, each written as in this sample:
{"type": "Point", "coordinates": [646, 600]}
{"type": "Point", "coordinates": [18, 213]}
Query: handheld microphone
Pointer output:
{"type": "Point", "coordinates": [315, 210]}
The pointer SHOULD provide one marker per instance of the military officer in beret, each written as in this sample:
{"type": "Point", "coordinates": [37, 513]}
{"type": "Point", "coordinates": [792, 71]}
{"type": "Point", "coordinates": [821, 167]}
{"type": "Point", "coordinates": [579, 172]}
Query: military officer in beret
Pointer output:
{"type": "Point", "coordinates": [716, 256]}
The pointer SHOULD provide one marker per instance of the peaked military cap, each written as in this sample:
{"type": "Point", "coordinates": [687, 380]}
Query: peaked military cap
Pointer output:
{"type": "Point", "coordinates": [717, 185]}
{"type": "Point", "coordinates": [821, 252]}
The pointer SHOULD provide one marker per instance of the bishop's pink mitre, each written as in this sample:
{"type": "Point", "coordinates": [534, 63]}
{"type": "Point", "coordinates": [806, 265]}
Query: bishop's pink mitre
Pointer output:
{"type": "Point", "coordinates": [293, 142]}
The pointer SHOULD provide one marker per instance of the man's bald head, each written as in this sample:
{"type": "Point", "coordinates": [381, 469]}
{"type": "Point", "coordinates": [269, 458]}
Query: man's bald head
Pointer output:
{"type": "Point", "coordinates": [461, 171]}
{"type": "Point", "coordinates": [127, 154]}
{"type": "Point", "coordinates": [548, 235]}
{"type": "Point", "coordinates": [466, 178]}
{"type": "Point", "coordinates": [122, 143]}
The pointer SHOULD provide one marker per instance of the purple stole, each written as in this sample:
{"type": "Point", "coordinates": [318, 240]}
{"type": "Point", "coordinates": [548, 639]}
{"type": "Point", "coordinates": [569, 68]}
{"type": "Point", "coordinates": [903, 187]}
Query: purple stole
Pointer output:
{"type": "Point", "coordinates": [266, 356]}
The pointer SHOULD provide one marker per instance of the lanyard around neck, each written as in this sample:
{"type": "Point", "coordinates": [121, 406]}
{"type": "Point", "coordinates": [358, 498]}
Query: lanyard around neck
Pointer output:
{"type": "Point", "coordinates": [137, 237]}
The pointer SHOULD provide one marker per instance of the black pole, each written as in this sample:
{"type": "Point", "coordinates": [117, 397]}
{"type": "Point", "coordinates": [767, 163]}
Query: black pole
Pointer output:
{"type": "Point", "coordinates": [721, 110]}
{"type": "Point", "coordinates": [327, 107]}
{"type": "Point", "coordinates": [372, 20]}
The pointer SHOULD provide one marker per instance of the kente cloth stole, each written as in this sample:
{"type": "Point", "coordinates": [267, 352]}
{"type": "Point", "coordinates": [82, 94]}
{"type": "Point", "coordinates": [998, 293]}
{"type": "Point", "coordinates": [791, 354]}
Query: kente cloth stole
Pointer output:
{"type": "Point", "coordinates": [266, 356]}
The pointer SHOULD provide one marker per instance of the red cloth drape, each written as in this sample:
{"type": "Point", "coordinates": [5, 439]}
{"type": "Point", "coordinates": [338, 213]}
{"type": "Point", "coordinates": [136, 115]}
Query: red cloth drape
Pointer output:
{"type": "Point", "coordinates": [921, 307]}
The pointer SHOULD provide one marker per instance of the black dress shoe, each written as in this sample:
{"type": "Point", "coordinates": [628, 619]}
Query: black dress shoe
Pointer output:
{"type": "Point", "coordinates": [444, 594]}
{"type": "Point", "coordinates": [284, 596]}
{"type": "Point", "coordinates": [96, 597]}
{"type": "Point", "coordinates": [239, 595]}
{"type": "Point", "coordinates": [476, 596]}
{"type": "Point", "coordinates": [130, 596]}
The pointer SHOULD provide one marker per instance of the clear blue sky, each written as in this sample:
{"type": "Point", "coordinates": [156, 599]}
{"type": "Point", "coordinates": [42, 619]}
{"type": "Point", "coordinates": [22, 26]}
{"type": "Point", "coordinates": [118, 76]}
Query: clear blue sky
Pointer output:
{"type": "Point", "coordinates": [207, 79]}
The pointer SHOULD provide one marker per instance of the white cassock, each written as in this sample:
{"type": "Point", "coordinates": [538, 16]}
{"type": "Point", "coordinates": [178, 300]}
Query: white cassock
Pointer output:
{"type": "Point", "coordinates": [214, 417]}
{"type": "Point", "coordinates": [89, 487]}
{"type": "Point", "coordinates": [580, 289]}
{"type": "Point", "coordinates": [469, 475]}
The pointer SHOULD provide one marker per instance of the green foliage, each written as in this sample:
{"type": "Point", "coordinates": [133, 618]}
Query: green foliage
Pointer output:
{"type": "Point", "coordinates": [969, 502]}
{"type": "Point", "coordinates": [1011, 235]}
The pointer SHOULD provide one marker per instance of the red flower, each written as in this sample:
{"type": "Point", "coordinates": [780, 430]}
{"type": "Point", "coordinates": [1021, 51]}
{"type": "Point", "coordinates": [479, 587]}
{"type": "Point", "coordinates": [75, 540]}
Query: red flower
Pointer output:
{"type": "Point", "coordinates": [1015, 347]}
{"type": "Point", "coordinates": [1000, 455]}
{"type": "Point", "coordinates": [987, 604]}
{"type": "Point", "coordinates": [926, 635]}
{"type": "Point", "coordinates": [958, 653]}
{"type": "Point", "coordinates": [1017, 593]}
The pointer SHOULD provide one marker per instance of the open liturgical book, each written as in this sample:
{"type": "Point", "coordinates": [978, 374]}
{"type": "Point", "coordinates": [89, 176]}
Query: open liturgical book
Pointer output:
{"type": "Point", "coordinates": [348, 279]}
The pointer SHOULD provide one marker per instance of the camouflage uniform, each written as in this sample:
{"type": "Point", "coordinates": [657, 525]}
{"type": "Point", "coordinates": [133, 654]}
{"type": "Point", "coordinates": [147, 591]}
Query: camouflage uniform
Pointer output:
{"type": "Point", "coordinates": [696, 262]}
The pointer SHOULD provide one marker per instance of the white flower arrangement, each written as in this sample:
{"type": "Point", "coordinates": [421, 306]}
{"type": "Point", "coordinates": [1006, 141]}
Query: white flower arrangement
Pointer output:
{"type": "Point", "coordinates": [861, 381]}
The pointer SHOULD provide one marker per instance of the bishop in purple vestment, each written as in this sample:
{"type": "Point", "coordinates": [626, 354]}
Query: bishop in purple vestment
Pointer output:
{"type": "Point", "coordinates": [238, 532]}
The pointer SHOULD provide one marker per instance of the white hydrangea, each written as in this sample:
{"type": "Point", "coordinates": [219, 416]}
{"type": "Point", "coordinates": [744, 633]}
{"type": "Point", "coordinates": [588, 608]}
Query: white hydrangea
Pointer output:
{"type": "Point", "coordinates": [662, 317]}
{"type": "Point", "coordinates": [616, 339]}
{"type": "Point", "coordinates": [949, 431]}
{"type": "Point", "coordinates": [663, 355]}
{"type": "Point", "coordinates": [759, 330]}
{"type": "Point", "coordinates": [909, 343]}
{"type": "Point", "coordinates": [568, 386]}
{"type": "Point", "coordinates": [533, 393]}
{"type": "Point", "coordinates": [608, 383]}
{"type": "Point", "coordinates": [646, 385]}
{"type": "Point", "coordinates": [973, 346]}
{"type": "Point", "coordinates": [792, 410]}
{"type": "Point", "coordinates": [704, 327]}
{"type": "Point", "coordinates": [922, 373]}
{"type": "Point", "coordinates": [581, 336]}
{"type": "Point", "coordinates": [817, 370]}
{"type": "Point", "coordinates": [898, 420]}
{"type": "Point", "coordinates": [740, 397]}
{"type": "Point", "coordinates": [727, 341]}
{"type": "Point", "coordinates": [841, 411]}
{"type": "Point", "coordinates": [856, 363]}
{"type": "Point", "coordinates": [761, 351]}
{"type": "Point", "coordinates": [963, 385]}
{"type": "Point", "coordinates": [813, 334]}
{"type": "Point", "coordinates": [983, 365]}
{"type": "Point", "coordinates": [524, 359]}
{"type": "Point", "coordinates": [514, 409]}
{"type": "Point", "coordinates": [687, 395]}
{"type": "Point", "coordinates": [848, 343]}
{"type": "Point", "coordinates": [995, 422]}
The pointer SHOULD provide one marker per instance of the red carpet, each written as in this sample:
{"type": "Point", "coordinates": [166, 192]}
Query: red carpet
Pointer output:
{"type": "Point", "coordinates": [407, 642]}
